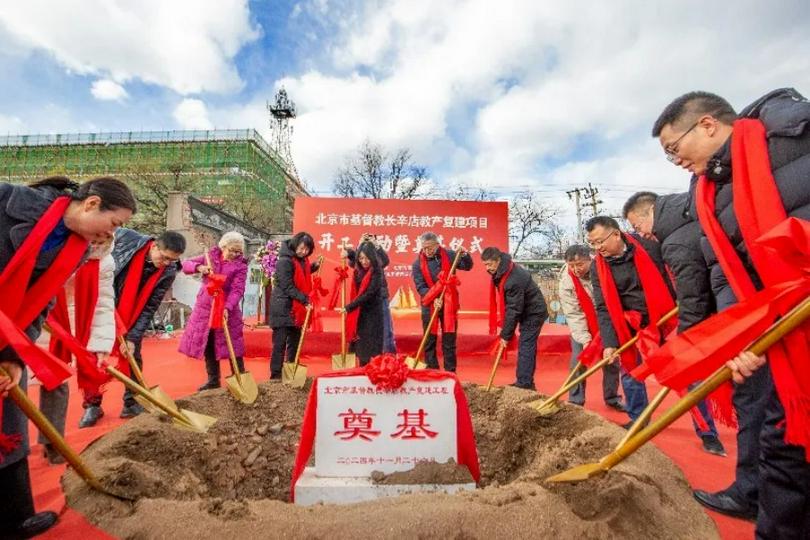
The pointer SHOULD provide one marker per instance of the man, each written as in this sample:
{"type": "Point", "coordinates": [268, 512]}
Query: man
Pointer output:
{"type": "Point", "coordinates": [769, 152]}
{"type": "Point", "coordinates": [144, 270]}
{"type": "Point", "coordinates": [429, 269]}
{"type": "Point", "coordinates": [518, 300]}
{"type": "Point", "coordinates": [631, 291]}
{"type": "Point", "coordinates": [576, 298]}
{"type": "Point", "coordinates": [666, 220]}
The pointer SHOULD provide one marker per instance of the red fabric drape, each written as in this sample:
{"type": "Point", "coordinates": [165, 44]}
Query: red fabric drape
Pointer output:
{"type": "Point", "coordinates": [354, 316]}
{"type": "Point", "coordinates": [656, 294]}
{"type": "Point", "coordinates": [445, 282]}
{"type": "Point", "coordinates": [340, 279]}
{"type": "Point", "coordinates": [318, 291]}
{"type": "Point", "coordinates": [467, 452]}
{"type": "Point", "coordinates": [302, 278]}
{"type": "Point", "coordinates": [592, 351]}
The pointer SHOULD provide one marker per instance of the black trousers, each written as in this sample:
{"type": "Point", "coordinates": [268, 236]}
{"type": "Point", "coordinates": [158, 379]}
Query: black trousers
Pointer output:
{"type": "Point", "coordinates": [749, 399]}
{"type": "Point", "coordinates": [784, 475]}
{"type": "Point", "coordinates": [527, 352]}
{"type": "Point", "coordinates": [212, 362]}
{"type": "Point", "coordinates": [16, 501]}
{"type": "Point", "coordinates": [285, 339]}
{"type": "Point", "coordinates": [448, 344]}
{"type": "Point", "coordinates": [129, 396]}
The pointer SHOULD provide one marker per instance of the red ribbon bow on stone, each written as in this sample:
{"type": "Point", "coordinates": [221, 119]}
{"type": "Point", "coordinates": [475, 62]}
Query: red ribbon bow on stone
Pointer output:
{"type": "Point", "coordinates": [387, 371]}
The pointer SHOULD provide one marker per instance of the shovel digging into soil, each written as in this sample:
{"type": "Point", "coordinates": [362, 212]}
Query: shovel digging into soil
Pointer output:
{"type": "Point", "coordinates": [156, 391]}
{"type": "Point", "coordinates": [294, 373]}
{"type": "Point", "coordinates": [241, 385]}
{"type": "Point", "coordinates": [550, 405]}
{"type": "Point", "coordinates": [58, 442]}
{"type": "Point", "coordinates": [774, 334]}
{"type": "Point", "coordinates": [413, 361]}
{"type": "Point", "coordinates": [498, 356]}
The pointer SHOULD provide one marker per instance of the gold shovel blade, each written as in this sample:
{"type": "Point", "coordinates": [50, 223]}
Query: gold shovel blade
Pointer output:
{"type": "Point", "coordinates": [294, 375]}
{"type": "Point", "coordinates": [196, 421]}
{"type": "Point", "coordinates": [159, 395]}
{"type": "Point", "coordinates": [243, 388]}
{"type": "Point", "coordinates": [580, 473]}
{"type": "Point", "coordinates": [545, 409]}
{"type": "Point", "coordinates": [340, 362]}
{"type": "Point", "coordinates": [413, 363]}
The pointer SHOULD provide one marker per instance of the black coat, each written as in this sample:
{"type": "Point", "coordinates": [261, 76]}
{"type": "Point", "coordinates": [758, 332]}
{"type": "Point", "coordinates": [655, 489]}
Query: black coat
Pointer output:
{"type": "Point", "coordinates": [20, 209]}
{"type": "Point", "coordinates": [284, 289]}
{"type": "Point", "coordinates": [370, 320]}
{"type": "Point", "coordinates": [679, 235]}
{"type": "Point", "coordinates": [523, 299]}
{"type": "Point", "coordinates": [127, 244]}
{"type": "Point", "coordinates": [382, 258]}
{"type": "Point", "coordinates": [786, 115]}
{"type": "Point", "coordinates": [629, 286]}
{"type": "Point", "coordinates": [434, 264]}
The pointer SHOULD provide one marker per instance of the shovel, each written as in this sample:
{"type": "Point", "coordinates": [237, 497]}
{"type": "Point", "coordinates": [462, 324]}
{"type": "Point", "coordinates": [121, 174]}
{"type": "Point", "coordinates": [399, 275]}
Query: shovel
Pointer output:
{"type": "Point", "coordinates": [181, 417]}
{"type": "Point", "coordinates": [45, 427]}
{"type": "Point", "coordinates": [644, 417]}
{"type": "Point", "coordinates": [242, 386]}
{"type": "Point", "coordinates": [549, 406]}
{"type": "Point", "coordinates": [775, 333]}
{"type": "Point", "coordinates": [294, 374]}
{"type": "Point", "coordinates": [344, 360]}
{"type": "Point", "coordinates": [413, 361]}
{"type": "Point", "coordinates": [157, 393]}
{"type": "Point", "coordinates": [498, 356]}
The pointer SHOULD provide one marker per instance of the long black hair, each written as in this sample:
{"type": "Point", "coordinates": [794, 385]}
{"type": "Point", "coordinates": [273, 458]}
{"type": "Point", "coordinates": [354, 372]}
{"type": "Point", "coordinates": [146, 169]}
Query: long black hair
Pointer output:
{"type": "Point", "coordinates": [367, 249]}
{"type": "Point", "coordinates": [114, 193]}
{"type": "Point", "coordinates": [302, 238]}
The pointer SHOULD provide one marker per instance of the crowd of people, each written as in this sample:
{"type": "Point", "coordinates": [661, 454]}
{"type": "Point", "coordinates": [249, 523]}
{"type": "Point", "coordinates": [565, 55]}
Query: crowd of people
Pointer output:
{"type": "Point", "coordinates": [68, 263]}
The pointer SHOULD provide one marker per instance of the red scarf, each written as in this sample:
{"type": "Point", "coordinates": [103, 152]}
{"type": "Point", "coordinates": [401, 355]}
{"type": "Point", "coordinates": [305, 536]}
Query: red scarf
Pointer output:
{"type": "Point", "coordinates": [497, 301]}
{"type": "Point", "coordinates": [302, 279]}
{"type": "Point", "coordinates": [318, 291]}
{"type": "Point", "coordinates": [354, 316]}
{"type": "Point", "coordinates": [23, 301]}
{"type": "Point", "coordinates": [759, 209]}
{"type": "Point", "coordinates": [593, 350]}
{"type": "Point", "coordinates": [445, 282]}
{"type": "Point", "coordinates": [657, 297]}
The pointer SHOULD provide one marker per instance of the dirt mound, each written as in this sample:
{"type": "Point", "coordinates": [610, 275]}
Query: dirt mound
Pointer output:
{"type": "Point", "coordinates": [234, 480]}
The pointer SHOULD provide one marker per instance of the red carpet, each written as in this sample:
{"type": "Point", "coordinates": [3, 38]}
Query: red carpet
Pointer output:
{"type": "Point", "coordinates": [180, 376]}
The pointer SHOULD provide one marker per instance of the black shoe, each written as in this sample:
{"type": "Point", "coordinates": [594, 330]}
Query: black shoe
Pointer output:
{"type": "Point", "coordinates": [629, 424]}
{"type": "Point", "coordinates": [712, 445]}
{"type": "Point", "coordinates": [37, 524]}
{"type": "Point", "coordinates": [616, 406]}
{"type": "Point", "coordinates": [209, 385]}
{"type": "Point", "coordinates": [725, 504]}
{"type": "Point", "coordinates": [524, 386]}
{"type": "Point", "coordinates": [53, 457]}
{"type": "Point", "coordinates": [131, 411]}
{"type": "Point", "coordinates": [92, 414]}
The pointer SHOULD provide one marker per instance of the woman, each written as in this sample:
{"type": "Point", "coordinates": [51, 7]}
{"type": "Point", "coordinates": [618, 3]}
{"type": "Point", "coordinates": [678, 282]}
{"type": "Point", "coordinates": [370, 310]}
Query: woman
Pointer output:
{"type": "Point", "coordinates": [199, 338]}
{"type": "Point", "coordinates": [364, 324]}
{"type": "Point", "coordinates": [289, 301]}
{"type": "Point", "coordinates": [49, 225]}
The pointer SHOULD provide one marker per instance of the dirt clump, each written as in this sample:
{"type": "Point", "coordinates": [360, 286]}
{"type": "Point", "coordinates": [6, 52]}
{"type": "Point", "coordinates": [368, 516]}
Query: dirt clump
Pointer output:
{"type": "Point", "coordinates": [427, 472]}
{"type": "Point", "coordinates": [234, 481]}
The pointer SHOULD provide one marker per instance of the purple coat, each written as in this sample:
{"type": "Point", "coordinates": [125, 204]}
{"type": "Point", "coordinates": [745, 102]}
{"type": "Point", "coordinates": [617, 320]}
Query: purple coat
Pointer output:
{"type": "Point", "coordinates": [195, 335]}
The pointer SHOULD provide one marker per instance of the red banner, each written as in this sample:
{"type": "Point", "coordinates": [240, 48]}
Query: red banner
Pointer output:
{"type": "Point", "coordinates": [398, 224]}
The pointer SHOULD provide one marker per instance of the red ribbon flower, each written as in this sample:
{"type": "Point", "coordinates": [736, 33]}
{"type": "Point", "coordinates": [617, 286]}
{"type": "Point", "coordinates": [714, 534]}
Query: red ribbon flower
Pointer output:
{"type": "Point", "coordinates": [214, 287]}
{"type": "Point", "coordinates": [387, 371]}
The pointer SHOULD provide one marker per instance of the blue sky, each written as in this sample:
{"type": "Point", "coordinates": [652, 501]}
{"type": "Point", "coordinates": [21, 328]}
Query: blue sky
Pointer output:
{"type": "Point", "coordinates": [511, 96]}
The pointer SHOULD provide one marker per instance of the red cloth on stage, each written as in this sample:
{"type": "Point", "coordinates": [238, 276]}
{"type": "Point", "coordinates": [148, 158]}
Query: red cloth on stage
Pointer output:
{"type": "Point", "coordinates": [302, 279]}
{"type": "Point", "coordinates": [445, 283]}
{"type": "Point", "coordinates": [592, 352]}
{"type": "Point", "coordinates": [318, 291]}
{"type": "Point", "coordinates": [467, 452]}
{"type": "Point", "coordinates": [354, 315]}
{"type": "Point", "coordinates": [23, 301]}
{"type": "Point", "coordinates": [656, 294]}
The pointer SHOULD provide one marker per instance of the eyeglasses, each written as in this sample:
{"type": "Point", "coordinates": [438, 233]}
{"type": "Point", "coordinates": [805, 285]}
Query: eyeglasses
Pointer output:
{"type": "Point", "coordinates": [671, 149]}
{"type": "Point", "coordinates": [596, 244]}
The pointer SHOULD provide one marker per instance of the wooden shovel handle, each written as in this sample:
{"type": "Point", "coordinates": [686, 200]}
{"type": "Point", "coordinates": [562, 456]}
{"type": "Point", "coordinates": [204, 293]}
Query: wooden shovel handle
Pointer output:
{"type": "Point", "coordinates": [231, 352]}
{"type": "Point", "coordinates": [498, 356]}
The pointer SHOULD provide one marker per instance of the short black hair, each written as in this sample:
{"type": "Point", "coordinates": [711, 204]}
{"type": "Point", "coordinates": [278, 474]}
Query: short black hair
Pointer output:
{"type": "Point", "coordinates": [173, 241]}
{"type": "Point", "coordinates": [303, 238]}
{"type": "Point", "coordinates": [695, 104]}
{"type": "Point", "coordinates": [605, 221]}
{"type": "Point", "coordinates": [577, 250]}
{"type": "Point", "coordinates": [490, 254]}
{"type": "Point", "coordinates": [638, 199]}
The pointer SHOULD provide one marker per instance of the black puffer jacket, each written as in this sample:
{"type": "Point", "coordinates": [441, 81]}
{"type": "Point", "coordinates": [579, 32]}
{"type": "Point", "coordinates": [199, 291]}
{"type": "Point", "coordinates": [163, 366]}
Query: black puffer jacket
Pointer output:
{"type": "Point", "coordinates": [127, 244]}
{"type": "Point", "coordinates": [523, 299]}
{"type": "Point", "coordinates": [20, 209]}
{"type": "Point", "coordinates": [679, 235]}
{"type": "Point", "coordinates": [284, 289]}
{"type": "Point", "coordinates": [786, 115]}
{"type": "Point", "coordinates": [628, 284]}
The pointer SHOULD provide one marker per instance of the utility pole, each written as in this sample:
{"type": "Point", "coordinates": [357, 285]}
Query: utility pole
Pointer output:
{"type": "Point", "coordinates": [592, 193]}
{"type": "Point", "coordinates": [574, 195]}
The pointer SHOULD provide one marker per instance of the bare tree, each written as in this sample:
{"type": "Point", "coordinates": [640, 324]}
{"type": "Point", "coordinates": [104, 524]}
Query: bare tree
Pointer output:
{"type": "Point", "coordinates": [374, 174]}
{"type": "Point", "coordinates": [529, 218]}
{"type": "Point", "coordinates": [151, 189]}
{"type": "Point", "coordinates": [466, 192]}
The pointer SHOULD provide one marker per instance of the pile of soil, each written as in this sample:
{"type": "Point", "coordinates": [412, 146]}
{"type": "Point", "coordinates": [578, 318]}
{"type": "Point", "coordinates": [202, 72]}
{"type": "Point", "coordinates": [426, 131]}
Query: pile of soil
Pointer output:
{"type": "Point", "coordinates": [234, 480]}
{"type": "Point", "coordinates": [427, 472]}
